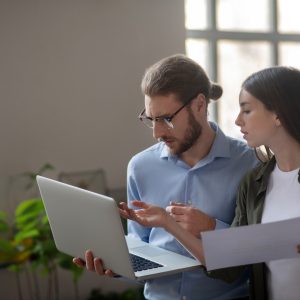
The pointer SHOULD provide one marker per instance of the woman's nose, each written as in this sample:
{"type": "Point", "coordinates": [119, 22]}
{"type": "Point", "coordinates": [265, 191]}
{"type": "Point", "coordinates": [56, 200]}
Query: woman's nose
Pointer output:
{"type": "Point", "coordinates": [238, 120]}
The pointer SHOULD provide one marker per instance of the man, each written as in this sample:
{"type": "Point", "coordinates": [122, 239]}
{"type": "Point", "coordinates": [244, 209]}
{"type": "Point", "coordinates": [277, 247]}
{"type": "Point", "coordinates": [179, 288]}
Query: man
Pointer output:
{"type": "Point", "coordinates": [193, 172]}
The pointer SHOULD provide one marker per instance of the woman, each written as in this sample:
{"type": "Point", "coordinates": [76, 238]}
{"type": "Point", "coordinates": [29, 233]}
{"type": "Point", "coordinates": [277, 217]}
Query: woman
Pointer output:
{"type": "Point", "coordinates": [269, 116]}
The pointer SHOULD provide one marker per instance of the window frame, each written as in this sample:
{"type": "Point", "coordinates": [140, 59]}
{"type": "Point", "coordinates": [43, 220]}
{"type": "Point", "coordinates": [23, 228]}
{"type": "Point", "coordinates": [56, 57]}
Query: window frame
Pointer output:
{"type": "Point", "coordinates": [212, 35]}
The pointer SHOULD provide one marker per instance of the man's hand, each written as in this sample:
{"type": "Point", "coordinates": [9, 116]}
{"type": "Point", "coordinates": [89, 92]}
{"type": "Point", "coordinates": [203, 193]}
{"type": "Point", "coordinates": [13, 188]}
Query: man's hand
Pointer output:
{"type": "Point", "coordinates": [148, 215]}
{"type": "Point", "coordinates": [190, 218]}
{"type": "Point", "coordinates": [93, 264]}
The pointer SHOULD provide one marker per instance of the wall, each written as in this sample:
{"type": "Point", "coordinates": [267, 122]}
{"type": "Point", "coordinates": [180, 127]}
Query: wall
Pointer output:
{"type": "Point", "coordinates": [69, 84]}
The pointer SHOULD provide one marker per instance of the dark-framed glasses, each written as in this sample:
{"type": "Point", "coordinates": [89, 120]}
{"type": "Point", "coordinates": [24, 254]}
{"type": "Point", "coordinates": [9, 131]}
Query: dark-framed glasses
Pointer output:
{"type": "Point", "coordinates": [166, 120]}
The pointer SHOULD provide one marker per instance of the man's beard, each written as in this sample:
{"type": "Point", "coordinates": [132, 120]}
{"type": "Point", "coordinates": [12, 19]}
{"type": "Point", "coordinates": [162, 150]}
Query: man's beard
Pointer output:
{"type": "Point", "coordinates": [191, 135]}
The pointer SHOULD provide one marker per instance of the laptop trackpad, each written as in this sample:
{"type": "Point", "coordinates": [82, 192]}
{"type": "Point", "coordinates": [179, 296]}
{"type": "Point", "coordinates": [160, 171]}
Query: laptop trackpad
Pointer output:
{"type": "Point", "coordinates": [149, 251]}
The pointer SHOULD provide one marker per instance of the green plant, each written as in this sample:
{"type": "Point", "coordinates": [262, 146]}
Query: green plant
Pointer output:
{"type": "Point", "coordinates": [27, 246]}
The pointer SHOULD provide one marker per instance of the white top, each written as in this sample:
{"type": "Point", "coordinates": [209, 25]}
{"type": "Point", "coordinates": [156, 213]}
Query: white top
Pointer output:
{"type": "Point", "coordinates": [283, 202]}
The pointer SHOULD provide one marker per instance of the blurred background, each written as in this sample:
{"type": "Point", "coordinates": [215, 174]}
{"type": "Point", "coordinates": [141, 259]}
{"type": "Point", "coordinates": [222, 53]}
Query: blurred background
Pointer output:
{"type": "Point", "coordinates": [70, 89]}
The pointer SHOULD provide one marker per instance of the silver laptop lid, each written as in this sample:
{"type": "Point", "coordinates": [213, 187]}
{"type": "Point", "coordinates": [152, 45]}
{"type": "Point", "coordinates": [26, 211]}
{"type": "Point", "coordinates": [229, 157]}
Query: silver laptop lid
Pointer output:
{"type": "Point", "coordinates": [72, 212]}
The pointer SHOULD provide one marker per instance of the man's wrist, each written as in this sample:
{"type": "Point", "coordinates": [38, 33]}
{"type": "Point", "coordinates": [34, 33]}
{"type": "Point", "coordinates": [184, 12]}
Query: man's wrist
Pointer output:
{"type": "Point", "coordinates": [169, 223]}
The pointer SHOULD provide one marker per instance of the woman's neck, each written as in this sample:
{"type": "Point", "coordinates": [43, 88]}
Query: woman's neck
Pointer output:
{"type": "Point", "coordinates": [287, 154]}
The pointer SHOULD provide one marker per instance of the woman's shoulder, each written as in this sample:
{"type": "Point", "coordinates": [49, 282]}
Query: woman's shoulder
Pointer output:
{"type": "Point", "coordinates": [263, 169]}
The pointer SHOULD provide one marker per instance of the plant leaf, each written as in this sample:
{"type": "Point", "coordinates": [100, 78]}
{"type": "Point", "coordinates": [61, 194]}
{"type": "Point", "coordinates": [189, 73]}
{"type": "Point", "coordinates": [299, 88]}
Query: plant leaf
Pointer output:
{"type": "Point", "coordinates": [30, 205]}
{"type": "Point", "coordinates": [3, 226]}
{"type": "Point", "coordinates": [22, 235]}
{"type": "Point", "coordinates": [6, 247]}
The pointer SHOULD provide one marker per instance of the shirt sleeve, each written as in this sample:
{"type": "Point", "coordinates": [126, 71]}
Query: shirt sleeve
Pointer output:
{"type": "Point", "coordinates": [134, 229]}
{"type": "Point", "coordinates": [221, 225]}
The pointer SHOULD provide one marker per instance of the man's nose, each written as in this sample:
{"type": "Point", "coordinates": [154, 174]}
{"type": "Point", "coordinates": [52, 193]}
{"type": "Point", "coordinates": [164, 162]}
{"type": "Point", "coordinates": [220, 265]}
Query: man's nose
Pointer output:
{"type": "Point", "coordinates": [159, 129]}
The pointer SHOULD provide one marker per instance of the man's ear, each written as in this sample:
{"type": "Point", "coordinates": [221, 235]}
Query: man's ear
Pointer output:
{"type": "Point", "coordinates": [200, 102]}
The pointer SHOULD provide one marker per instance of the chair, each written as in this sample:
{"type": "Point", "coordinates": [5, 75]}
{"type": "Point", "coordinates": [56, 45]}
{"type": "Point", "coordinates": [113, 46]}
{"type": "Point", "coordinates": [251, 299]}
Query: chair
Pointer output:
{"type": "Point", "coordinates": [92, 180]}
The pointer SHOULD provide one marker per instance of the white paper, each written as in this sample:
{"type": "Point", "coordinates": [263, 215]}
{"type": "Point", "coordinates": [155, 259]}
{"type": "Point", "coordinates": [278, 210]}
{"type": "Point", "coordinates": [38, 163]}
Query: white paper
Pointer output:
{"type": "Point", "coordinates": [251, 244]}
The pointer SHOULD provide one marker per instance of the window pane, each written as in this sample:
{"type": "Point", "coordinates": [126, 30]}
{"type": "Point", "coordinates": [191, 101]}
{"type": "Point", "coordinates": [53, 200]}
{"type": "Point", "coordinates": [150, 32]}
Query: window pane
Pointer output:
{"type": "Point", "coordinates": [289, 54]}
{"type": "Point", "coordinates": [288, 16]}
{"type": "Point", "coordinates": [245, 15]}
{"type": "Point", "coordinates": [198, 50]}
{"type": "Point", "coordinates": [195, 14]}
{"type": "Point", "coordinates": [237, 60]}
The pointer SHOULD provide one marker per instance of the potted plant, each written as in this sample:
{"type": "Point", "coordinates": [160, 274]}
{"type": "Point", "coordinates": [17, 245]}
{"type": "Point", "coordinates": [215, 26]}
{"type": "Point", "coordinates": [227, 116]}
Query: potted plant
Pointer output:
{"type": "Point", "coordinates": [26, 245]}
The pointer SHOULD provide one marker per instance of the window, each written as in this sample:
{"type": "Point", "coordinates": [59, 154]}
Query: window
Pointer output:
{"type": "Point", "coordinates": [232, 39]}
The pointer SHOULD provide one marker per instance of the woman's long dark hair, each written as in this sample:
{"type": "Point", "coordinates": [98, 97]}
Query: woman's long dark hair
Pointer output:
{"type": "Point", "coordinates": [278, 88]}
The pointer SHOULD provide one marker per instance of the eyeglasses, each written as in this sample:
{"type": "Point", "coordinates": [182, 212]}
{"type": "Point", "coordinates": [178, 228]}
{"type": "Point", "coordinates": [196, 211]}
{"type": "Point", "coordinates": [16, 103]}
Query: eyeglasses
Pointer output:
{"type": "Point", "coordinates": [149, 121]}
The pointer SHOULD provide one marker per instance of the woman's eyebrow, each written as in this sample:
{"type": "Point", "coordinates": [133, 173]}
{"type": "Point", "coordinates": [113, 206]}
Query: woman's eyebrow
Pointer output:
{"type": "Point", "coordinates": [244, 103]}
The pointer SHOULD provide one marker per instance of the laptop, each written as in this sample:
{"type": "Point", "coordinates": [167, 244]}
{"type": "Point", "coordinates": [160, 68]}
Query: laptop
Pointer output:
{"type": "Point", "coordinates": [81, 220]}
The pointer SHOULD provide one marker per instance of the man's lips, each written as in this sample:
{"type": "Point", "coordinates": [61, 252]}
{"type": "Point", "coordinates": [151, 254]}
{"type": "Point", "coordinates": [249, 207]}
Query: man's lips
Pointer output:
{"type": "Point", "coordinates": [167, 141]}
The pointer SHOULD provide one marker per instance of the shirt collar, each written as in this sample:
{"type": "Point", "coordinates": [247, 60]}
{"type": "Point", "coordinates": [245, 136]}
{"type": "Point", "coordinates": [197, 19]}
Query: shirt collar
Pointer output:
{"type": "Point", "coordinates": [220, 146]}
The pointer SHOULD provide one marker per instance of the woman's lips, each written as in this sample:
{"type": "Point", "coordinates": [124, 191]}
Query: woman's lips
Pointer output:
{"type": "Point", "coordinates": [244, 133]}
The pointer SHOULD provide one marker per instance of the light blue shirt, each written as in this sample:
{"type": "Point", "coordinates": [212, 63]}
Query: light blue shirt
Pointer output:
{"type": "Point", "coordinates": [156, 177]}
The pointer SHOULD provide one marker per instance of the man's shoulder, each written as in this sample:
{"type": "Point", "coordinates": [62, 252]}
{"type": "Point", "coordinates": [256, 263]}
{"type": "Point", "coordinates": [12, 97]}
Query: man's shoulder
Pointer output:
{"type": "Point", "coordinates": [238, 145]}
{"type": "Point", "coordinates": [232, 147]}
{"type": "Point", "coordinates": [241, 158]}
{"type": "Point", "coordinates": [151, 152]}
{"type": "Point", "coordinates": [239, 148]}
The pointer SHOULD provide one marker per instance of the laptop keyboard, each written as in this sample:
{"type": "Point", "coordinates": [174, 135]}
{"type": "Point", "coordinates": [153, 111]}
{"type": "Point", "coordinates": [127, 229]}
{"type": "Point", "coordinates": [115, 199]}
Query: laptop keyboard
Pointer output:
{"type": "Point", "coordinates": [141, 264]}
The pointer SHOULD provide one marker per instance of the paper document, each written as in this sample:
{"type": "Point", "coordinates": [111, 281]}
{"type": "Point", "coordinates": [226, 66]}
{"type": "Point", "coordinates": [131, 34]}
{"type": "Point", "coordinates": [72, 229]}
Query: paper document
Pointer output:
{"type": "Point", "coordinates": [251, 244]}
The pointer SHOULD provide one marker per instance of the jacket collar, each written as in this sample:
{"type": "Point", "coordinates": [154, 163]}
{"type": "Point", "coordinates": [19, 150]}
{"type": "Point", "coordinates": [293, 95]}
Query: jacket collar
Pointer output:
{"type": "Point", "coordinates": [264, 174]}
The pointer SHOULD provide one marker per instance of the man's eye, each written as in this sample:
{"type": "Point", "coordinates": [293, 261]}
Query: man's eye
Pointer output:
{"type": "Point", "coordinates": [168, 119]}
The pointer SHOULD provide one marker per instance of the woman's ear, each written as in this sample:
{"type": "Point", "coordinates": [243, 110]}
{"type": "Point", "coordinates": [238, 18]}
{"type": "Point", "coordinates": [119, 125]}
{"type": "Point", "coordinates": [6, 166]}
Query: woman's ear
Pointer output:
{"type": "Point", "coordinates": [277, 121]}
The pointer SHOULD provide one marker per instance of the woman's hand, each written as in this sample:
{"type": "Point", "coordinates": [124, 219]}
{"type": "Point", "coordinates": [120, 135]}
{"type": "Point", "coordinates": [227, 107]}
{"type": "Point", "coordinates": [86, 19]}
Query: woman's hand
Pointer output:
{"type": "Point", "coordinates": [148, 215]}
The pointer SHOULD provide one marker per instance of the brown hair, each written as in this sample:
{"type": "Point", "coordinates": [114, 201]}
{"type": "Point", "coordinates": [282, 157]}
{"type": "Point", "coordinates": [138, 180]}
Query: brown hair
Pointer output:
{"type": "Point", "coordinates": [179, 75]}
{"type": "Point", "coordinates": [278, 88]}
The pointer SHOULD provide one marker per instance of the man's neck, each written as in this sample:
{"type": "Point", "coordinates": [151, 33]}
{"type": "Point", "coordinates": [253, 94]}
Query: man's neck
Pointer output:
{"type": "Point", "coordinates": [201, 148]}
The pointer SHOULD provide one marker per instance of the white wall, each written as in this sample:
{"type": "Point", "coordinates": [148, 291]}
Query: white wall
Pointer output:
{"type": "Point", "coordinates": [70, 72]}
{"type": "Point", "coordinates": [70, 75]}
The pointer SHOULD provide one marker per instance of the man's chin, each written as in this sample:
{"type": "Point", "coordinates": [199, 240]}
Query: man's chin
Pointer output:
{"type": "Point", "coordinates": [173, 150]}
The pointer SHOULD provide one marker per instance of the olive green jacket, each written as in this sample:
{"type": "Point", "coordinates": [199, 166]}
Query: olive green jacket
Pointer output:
{"type": "Point", "coordinates": [250, 203]}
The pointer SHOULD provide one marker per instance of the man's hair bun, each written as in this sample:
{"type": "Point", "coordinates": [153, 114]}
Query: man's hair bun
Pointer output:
{"type": "Point", "coordinates": [215, 92]}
